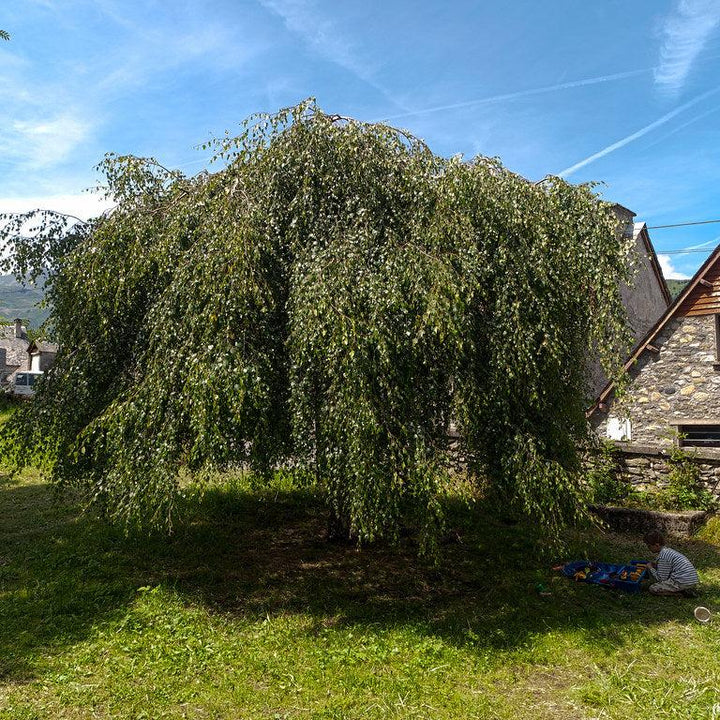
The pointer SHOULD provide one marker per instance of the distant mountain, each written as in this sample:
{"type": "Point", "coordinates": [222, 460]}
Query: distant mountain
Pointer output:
{"type": "Point", "coordinates": [675, 287]}
{"type": "Point", "coordinates": [18, 301]}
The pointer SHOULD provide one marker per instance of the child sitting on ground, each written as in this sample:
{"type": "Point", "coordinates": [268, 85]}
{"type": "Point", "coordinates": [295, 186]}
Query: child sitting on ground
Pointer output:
{"type": "Point", "coordinates": [674, 573]}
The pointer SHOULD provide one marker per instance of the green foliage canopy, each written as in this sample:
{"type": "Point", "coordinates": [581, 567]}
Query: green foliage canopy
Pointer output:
{"type": "Point", "coordinates": [333, 298]}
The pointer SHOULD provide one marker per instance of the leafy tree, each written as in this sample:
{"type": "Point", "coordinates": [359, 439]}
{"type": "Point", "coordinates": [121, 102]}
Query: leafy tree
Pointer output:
{"type": "Point", "coordinates": [4, 35]}
{"type": "Point", "coordinates": [332, 298]}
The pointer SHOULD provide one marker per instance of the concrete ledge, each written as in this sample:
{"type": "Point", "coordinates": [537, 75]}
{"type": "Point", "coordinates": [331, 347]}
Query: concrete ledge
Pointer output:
{"type": "Point", "coordinates": [638, 522]}
{"type": "Point", "coordinates": [633, 449]}
{"type": "Point", "coordinates": [652, 451]}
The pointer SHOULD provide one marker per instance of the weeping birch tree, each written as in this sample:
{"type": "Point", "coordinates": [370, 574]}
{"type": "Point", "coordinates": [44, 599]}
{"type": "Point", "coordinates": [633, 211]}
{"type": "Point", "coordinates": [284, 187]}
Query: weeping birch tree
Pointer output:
{"type": "Point", "coordinates": [332, 298]}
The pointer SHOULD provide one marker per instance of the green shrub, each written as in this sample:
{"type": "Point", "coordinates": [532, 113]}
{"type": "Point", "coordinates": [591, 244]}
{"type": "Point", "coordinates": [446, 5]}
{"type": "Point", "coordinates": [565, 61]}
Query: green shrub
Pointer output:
{"type": "Point", "coordinates": [606, 484]}
{"type": "Point", "coordinates": [685, 490]}
{"type": "Point", "coordinates": [710, 532]}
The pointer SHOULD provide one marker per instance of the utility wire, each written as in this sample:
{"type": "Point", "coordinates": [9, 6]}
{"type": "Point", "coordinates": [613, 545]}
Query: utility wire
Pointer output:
{"type": "Point", "coordinates": [706, 250]}
{"type": "Point", "coordinates": [684, 224]}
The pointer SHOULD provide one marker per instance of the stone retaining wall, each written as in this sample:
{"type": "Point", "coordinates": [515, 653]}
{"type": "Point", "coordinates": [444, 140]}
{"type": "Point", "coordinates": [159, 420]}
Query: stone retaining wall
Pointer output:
{"type": "Point", "coordinates": [647, 468]}
{"type": "Point", "coordinates": [639, 522]}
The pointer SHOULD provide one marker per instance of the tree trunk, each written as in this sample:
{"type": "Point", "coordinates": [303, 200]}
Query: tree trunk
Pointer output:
{"type": "Point", "coordinates": [338, 528]}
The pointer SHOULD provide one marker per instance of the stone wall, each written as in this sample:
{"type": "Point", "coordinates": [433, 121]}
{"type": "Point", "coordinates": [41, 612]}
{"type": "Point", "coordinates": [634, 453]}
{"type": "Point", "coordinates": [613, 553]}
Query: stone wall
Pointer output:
{"type": "Point", "coordinates": [639, 522]}
{"type": "Point", "coordinates": [647, 468]}
{"type": "Point", "coordinates": [678, 382]}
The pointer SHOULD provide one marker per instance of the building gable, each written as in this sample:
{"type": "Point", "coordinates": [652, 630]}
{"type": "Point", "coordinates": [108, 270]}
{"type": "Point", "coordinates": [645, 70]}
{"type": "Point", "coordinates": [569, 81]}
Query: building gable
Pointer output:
{"type": "Point", "coordinates": [645, 298]}
{"type": "Point", "coordinates": [701, 296]}
{"type": "Point", "coordinates": [704, 297]}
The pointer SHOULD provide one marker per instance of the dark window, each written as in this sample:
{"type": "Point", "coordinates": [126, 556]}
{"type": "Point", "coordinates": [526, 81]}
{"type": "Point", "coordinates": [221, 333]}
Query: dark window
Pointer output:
{"type": "Point", "coordinates": [699, 435]}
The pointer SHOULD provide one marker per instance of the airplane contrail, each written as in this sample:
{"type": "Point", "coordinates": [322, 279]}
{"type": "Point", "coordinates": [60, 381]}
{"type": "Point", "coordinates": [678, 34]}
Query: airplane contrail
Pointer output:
{"type": "Point", "coordinates": [520, 94]}
{"type": "Point", "coordinates": [638, 134]}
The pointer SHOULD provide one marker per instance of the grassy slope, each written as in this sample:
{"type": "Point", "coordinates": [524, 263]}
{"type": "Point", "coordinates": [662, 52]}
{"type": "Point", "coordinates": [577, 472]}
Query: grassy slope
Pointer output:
{"type": "Point", "coordinates": [247, 613]}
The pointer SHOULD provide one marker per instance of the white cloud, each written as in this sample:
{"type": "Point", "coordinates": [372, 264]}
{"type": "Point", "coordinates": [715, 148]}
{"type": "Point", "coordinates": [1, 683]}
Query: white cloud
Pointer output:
{"type": "Point", "coordinates": [326, 38]}
{"type": "Point", "coordinates": [46, 143]}
{"type": "Point", "coordinates": [55, 116]}
{"type": "Point", "coordinates": [81, 205]}
{"type": "Point", "coordinates": [151, 52]}
{"type": "Point", "coordinates": [148, 44]}
{"type": "Point", "coordinates": [42, 122]}
{"type": "Point", "coordinates": [302, 18]}
{"type": "Point", "coordinates": [669, 271]}
{"type": "Point", "coordinates": [685, 33]}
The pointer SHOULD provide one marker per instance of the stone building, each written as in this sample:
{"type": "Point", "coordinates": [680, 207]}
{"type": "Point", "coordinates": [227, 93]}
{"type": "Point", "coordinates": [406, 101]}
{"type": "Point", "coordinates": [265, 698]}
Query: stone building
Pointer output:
{"type": "Point", "coordinates": [41, 355]}
{"type": "Point", "coordinates": [646, 299]}
{"type": "Point", "coordinates": [673, 397]}
{"type": "Point", "coordinates": [18, 354]}
{"type": "Point", "coordinates": [14, 345]}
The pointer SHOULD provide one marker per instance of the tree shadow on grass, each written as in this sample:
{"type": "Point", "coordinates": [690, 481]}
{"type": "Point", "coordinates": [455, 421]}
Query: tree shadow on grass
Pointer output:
{"type": "Point", "coordinates": [62, 573]}
{"type": "Point", "coordinates": [58, 574]}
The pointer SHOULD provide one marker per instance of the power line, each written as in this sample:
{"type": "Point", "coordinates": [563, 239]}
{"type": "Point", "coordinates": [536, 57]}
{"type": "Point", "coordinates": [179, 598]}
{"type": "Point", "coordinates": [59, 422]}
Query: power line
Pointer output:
{"type": "Point", "coordinates": [683, 224]}
{"type": "Point", "coordinates": [706, 250]}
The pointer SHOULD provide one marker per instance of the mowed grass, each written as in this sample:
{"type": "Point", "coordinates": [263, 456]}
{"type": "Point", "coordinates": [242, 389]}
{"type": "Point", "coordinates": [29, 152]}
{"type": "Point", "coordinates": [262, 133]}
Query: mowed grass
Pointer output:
{"type": "Point", "coordinates": [247, 612]}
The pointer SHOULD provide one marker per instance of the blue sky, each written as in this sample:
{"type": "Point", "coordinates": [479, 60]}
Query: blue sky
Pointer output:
{"type": "Point", "coordinates": [626, 93]}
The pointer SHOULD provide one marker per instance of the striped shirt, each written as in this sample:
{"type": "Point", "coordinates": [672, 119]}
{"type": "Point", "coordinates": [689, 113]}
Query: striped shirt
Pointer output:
{"type": "Point", "coordinates": [672, 565]}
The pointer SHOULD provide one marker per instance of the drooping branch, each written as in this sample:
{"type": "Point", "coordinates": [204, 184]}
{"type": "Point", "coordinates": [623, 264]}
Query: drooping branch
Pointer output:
{"type": "Point", "coordinates": [330, 298]}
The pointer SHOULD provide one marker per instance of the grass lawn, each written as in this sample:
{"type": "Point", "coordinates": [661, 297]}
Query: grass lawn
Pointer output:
{"type": "Point", "coordinates": [246, 612]}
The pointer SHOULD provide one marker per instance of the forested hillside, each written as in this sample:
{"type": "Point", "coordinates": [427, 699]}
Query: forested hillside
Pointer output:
{"type": "Point", "coordinates": [675, 287]}
{"type": "Point", "coordinates": [17, 301]}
